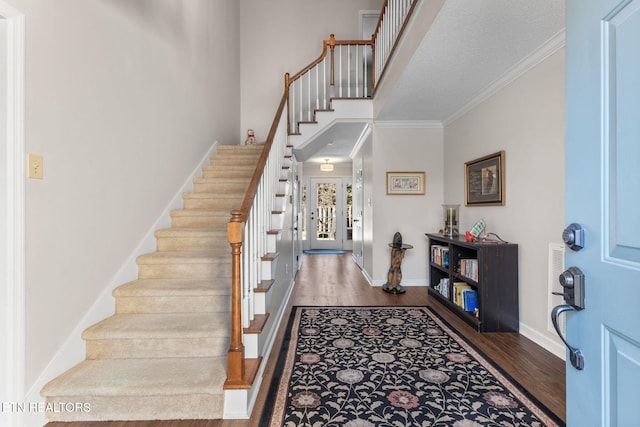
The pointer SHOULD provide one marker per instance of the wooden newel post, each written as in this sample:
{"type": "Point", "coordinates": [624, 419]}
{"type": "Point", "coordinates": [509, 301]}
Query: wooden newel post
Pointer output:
{"type": "Point", "coordinates": [235, 356]}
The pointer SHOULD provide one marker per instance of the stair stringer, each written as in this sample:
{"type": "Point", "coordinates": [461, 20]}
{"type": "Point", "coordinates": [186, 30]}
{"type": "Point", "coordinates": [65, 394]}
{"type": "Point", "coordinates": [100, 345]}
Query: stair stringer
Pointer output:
{"type": "Point", "coordinates": [72, 351]}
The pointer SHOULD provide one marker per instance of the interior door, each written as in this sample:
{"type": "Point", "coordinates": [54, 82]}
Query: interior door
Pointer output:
{"type": "Point", "coordinates": [326, 225]}
{"type": "Point", "coordinates": [602, 188]}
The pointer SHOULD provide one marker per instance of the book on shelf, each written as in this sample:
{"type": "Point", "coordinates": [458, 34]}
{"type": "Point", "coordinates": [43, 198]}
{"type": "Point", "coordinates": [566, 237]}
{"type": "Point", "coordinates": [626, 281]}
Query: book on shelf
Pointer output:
{"type": "Point", "coordinates": [443, 287]}
{"type": "Point", "coordinates": [458, 287]}
{"type": "Point", "coordinates": [469, 300]}
{"type": "Point", "coordinates": [469, 268]}
{"type": "Point", "coordinates": [440, 255]}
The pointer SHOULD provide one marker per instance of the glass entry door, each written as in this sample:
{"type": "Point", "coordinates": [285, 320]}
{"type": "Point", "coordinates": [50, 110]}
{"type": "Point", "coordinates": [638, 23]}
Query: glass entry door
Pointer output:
{"type": "Point", "coordinates": [326, 214]}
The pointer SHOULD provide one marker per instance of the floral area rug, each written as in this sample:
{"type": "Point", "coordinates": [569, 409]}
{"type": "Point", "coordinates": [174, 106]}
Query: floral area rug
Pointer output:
{"type": "Point", "coordinates": [390, 366]}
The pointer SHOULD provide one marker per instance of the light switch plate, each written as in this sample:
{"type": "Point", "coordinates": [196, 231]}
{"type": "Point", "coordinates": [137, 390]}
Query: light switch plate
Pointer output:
{"type": "Point", "coordinates": [35, 166]}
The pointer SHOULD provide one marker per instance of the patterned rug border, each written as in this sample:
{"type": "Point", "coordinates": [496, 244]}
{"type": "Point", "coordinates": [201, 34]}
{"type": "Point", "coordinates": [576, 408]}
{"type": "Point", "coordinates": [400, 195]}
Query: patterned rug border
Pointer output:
{"type": "Point", "coordinates": [521, 393]}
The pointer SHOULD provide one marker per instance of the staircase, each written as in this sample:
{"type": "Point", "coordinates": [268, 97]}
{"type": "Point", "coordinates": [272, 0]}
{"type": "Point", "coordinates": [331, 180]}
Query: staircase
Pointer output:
{"type": "Point", "coordinates": [162, 355]}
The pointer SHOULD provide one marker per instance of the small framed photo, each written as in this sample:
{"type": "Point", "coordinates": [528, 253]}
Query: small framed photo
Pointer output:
{"type": "Point", "coordinates": [405, 183]}
{"type": "Point", "coordinates": [484, 181]}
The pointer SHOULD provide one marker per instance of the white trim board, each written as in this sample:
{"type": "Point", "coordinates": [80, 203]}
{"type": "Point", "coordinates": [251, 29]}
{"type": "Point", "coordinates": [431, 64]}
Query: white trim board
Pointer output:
{"type": "Point", "coordinates": [409, 124]}
{"type": "Point", "coordinates": [12, 287]}
{"type": "Point", "coordinates": [72, 351]}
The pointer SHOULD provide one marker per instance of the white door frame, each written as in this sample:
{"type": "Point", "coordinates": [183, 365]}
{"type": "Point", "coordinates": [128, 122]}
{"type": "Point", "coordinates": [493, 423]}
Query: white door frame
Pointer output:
{"type": "Point", "coordinates": [358, 209]}
{"type": "Point", "coordinates": [12, 284]}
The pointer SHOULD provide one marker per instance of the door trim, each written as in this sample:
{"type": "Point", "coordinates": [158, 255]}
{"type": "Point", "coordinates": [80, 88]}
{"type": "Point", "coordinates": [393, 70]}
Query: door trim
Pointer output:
{"type": "Point", "coordinates": [14, 288]}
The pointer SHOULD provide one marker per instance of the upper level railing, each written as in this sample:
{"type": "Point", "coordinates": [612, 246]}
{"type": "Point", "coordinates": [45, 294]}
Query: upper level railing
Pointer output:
{"type": "Point", "coordinates": [345, 69]}
{"type": "Point", "coordinates": [391, 24]}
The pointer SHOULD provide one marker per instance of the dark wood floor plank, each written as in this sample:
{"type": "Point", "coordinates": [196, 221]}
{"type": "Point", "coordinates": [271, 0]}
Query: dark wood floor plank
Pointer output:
{"type": "Point", "coordinates": [335, 280]}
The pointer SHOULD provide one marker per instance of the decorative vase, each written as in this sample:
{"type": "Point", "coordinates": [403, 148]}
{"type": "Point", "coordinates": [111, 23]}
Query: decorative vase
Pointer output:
{"type": "Point", "coordinates": [450, 212]}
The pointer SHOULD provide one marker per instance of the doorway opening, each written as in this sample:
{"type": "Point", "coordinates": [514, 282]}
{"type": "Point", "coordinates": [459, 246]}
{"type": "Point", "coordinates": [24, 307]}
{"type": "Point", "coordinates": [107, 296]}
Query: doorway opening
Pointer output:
{"type": "Point", "coordinates": [327, 212]}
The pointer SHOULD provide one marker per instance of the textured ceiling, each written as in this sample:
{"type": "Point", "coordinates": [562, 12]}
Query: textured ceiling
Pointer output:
{"type": "Point", "coordinates": [470, 45]}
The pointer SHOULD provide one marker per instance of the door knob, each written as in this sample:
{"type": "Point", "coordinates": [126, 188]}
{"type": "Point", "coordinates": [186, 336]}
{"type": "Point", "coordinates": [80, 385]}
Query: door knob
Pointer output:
{"type": "Point", "coordinates": [573, 236]}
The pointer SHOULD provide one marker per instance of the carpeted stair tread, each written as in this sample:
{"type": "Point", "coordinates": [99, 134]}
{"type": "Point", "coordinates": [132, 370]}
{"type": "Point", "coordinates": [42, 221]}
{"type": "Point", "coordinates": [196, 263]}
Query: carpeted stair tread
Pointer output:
{"type": "Point", "coordinates": [165, 325]}
{"type": "Point", "coordinates": [236, 167]}
{"type": "Point", "coordinates": [239, 150]}
{"type": "Point", "coordinates": [243, 160]}
{"type": "Point", "coordinates": [183, 257]}
{"type": "Point", "coordinates": [202, 212]}
{"type": "Point", "coordinates": [174, 287]}
{"type": "Point", "coordinates": [140, 377]}
{"type": "Point", "coordinates": [218, 232]}
{"type": "Point", "coordinates": [202, 195]}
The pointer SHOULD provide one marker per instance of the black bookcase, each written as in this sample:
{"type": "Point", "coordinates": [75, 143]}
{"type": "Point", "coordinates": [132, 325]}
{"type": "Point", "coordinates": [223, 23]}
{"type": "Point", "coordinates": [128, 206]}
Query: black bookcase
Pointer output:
{"type": "Point", "coordinates": [491, 269]}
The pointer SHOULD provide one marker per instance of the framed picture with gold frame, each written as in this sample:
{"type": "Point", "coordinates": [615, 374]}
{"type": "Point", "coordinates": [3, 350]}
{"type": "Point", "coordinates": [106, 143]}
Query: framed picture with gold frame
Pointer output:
{"type": "Point", "coordinates": [406, 183]}
{"type": "Point", "coordinates": [484, 181]}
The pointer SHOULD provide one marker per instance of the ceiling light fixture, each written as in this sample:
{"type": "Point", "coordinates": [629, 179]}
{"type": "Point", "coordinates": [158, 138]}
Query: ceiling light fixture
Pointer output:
{"type": "Point", "coordinates": [326, 166]}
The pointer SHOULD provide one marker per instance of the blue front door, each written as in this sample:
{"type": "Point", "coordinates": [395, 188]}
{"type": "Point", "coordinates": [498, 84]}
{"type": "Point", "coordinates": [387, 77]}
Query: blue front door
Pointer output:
{"type": "Point", "coordinates": [602, 194]}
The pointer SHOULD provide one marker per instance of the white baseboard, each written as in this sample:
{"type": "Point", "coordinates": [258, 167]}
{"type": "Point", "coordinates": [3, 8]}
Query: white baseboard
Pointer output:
{"type": "Point", "coordinates": [543, 341]}
{"type": "Point", "coordinates": [72, 351]}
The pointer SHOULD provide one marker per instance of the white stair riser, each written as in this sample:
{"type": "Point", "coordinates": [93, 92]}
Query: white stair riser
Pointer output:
{"type": "Point", "coordinates": [283, 187]}
{"type": "Point", "coordinates": [280, 203]}
{"type": "Point", "coordinates": [268, 269]}
{"type": "Point", "coordinates": [272, 240]}
{"type": "Point", "coordinates": [174, 304]}
{"type": "Point", "coordinates": [157, 348]}
{"type": "Point", "coordinates": [277, 221]}
{"type": "Point", "coordinates": [251, 345]}
{"type": "Point", "coordinates": [262, 300]}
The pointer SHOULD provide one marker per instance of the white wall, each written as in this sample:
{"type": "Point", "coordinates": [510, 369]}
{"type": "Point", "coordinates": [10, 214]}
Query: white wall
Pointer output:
{"type": "Point", "coordinates": [123, 100]}
{"type": "Point", "coordinates": [526, 119]}
{"type": "Point", "coordinates": [281, 36]}
{"type": "Point", "coordinates": [403, 150]}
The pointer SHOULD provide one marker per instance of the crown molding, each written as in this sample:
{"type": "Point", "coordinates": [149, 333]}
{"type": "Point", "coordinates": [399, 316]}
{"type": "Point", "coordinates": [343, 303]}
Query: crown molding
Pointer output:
{"type": "Point", "coordinates": [409, 124]}
{"type": "Point", "coordinates": [361, 139]}
{"type": "Point", "coordinates": [551, 46]}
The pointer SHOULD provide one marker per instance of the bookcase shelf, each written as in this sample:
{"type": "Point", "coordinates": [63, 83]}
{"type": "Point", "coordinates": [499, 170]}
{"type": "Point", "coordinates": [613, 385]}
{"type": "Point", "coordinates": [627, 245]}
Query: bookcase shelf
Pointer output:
{"type": "Point", "coordinates": [488, 270]}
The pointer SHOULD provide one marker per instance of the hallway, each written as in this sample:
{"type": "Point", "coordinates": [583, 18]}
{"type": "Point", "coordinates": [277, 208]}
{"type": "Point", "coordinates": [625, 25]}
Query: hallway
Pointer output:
{"type": "Point", "coordinates": [329, 280]}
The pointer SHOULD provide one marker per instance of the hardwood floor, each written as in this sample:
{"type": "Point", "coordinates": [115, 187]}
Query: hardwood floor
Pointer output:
{"type": "Point", "coordinates": [330, 280]}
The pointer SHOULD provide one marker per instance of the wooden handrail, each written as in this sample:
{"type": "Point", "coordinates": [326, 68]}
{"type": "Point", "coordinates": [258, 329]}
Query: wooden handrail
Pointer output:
{"type": "Point", "coordinates": [383, 11]}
